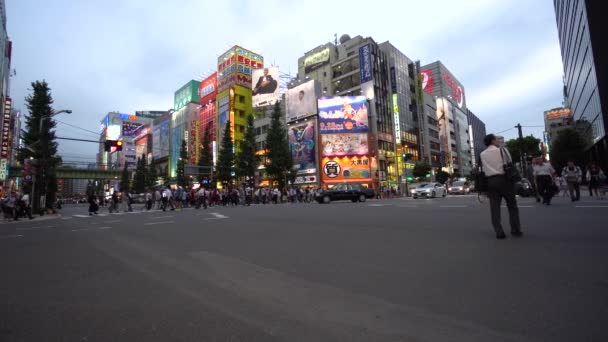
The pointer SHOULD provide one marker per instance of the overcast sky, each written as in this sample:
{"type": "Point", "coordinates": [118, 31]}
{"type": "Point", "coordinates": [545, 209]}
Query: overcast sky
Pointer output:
{"type": "Point", "coordinates": [127, 55]}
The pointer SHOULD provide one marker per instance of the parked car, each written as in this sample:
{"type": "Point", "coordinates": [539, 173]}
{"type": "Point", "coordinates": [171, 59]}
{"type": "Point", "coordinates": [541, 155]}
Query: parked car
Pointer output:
{"type": "Point", "coordinates": [459, 188]}
{"type": "Point", "coordinates": [345, 191]}
{"type": "Point", "coordinates": [429, 190]}
{"type": "Point", "coordinates": [524, 188]}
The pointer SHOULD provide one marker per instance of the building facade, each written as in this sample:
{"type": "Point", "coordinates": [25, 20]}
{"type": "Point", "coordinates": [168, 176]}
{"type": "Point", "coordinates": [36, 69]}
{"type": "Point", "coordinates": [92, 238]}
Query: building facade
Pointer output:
{"type": "Point", "coordinates": [477, 132]}
{"type": "Point", "coordinates": [7, 122]}
{"type": "Point", "coordinates": [208, 114]}
{"type": "Point", "coordinates": [585, 59]}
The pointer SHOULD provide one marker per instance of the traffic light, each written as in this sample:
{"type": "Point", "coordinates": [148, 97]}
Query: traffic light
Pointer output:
{"type": "Point", "coordinates": [117, 144]}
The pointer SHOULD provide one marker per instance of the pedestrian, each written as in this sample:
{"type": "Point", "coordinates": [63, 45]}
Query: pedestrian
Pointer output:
{"type": "Point", "coordinates": [248, 195]}
{"type": "Point", "coordinates": [157, 198]}
{"type": "Point", "coordinates": [114, 202]}
{"type": "Point", "coordinates": [596, 176]}
{"type": "Point", "coordinates": [25, 203]}
{"type": "Point", "coordinates": [563, 186]}
{"type": "Point", "coordinates": [499, 187]}
{"type": "Point", "coordinates": [93, 207]}
{"type": "Point", "coordinates": [544, 173]}
{"type": "Point", "coordinates": [573, 176]}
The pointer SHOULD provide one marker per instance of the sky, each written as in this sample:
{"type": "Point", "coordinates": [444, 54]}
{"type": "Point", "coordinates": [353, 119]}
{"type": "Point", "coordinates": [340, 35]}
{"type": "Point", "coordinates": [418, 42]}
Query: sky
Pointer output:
{"type": "Point", "coordinates": [128, 55]}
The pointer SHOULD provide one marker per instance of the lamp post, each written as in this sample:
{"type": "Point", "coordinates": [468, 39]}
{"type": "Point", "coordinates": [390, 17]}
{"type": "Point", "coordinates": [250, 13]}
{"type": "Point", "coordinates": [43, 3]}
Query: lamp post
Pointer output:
{"type": "Point", "coordinates": [42, 163]}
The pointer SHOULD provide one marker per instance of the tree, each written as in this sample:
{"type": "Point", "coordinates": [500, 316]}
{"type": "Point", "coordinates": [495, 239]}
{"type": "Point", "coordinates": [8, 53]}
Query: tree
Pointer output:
{"type": "Point", "coordinates": [421, 169]}
{"type": "Point", "coordinates": [247, 160]}
{"type": "Point", "coordinates": [568, 145]}
{"type": "Point", "coordinates": [279, 155]}
{"type": "Point", "coordinates": [441, 177]}
{"type": "Point", "coordinates": [39, 140]}
{"type": "Point", "coordinates": [151, 176]}
{"type": "Point", "coordinates": [182, 180]}
{"type": "Point", "coordinates": [225, 159]}
{"type": "Point", "coordinates": [139, 180]}
{"type": "Point", "coordinates": [125, 180]}
{"type": "Point", "coordinates": [527, 145]}
{"type": "Point", "coordinates": [206, 157]}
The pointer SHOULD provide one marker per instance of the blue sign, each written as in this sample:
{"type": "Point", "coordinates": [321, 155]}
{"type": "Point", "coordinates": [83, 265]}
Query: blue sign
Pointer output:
{"type": "Point", "coordinates": [365, 63]}
{"type": "Point", "coordinates": [124, 116]}
{"type": "Point", "coordinates": [393, 80]}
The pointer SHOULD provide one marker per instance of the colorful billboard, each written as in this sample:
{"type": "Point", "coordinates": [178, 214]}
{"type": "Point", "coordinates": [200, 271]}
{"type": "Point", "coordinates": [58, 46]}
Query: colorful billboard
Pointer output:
{"type": "Point", "coordinates": [302, 145]}
{"type": "Point", "coordinates": [265, 90]}
{"type": "Point", "coordinates": [164, 139]}
{"type": "Point", "coordinates": [316, 60]}
{"type": "Point", "coordinates": [223, 110]}
{"type": "Point", "coordinates": [338, 169]}
{"type": "Point", "coordinates": [235, 67]}
{"type": "Point", "coordinates": [343, 114]}
{"type": "Point", "coordinates": [176, 146]}
{"type": "Point", "coordinates": [344, 144]}
{"type": "Point", "coordinates": [208, 89]}
{"type": "Point", "coordinates": [186, 94]}
{"type": "Point", "coordinates": [156, 142]}
{"type": "Point", "coordinates": [301, 101]}
{"type": "Point", "coordinates": [130, 129]}
{"type": "Point", "coordinates": [194, 141]}
{"type": "Point", "coordinates": [6, 130]}
{"type": "Point", "coordinates": [365, 63]}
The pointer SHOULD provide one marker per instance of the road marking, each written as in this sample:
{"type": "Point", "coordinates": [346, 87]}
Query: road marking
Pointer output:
{"type": "Point", "coordinates": [453, 206]}
{"type": "Point", "coordinates": [67, 218]}
{"type": "Point", "coordinates": [104, 228]}
{"type": "Point", "coordinates": [83, 216]}
{"type": "Point", "coordinates": [81, 229]}
{"type": "Point", "coordinates": [11, 236]}
{"type": "Point", "coordinates": [218, 215]}
{"type": "Point", "coordinates": [112, 221]}
{"type": "Point", "coordinates": [591, 206]}
{"type": "Point", "coordinates": [153, 223]}
{"type": "Point", "coordinates": [159, 217]}
{"type": "Point", "coordinates": [376, 205]}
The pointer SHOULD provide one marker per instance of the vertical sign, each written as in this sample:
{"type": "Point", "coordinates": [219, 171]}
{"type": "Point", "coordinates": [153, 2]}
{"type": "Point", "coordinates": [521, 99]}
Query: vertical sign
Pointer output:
{"type": "Point", "coordinates": [6, 138]}
{"type": "Point", "coordinates": [393, 80]}
{"type": "Point", "coordinates": [396, 119]}
{"type": "Point", "coordinates": [365, 63]}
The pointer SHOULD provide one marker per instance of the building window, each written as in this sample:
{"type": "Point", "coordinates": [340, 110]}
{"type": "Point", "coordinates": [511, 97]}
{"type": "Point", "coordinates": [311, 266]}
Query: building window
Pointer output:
{"type": "Point", "coordinates": [433, 134]}
{"type": "Point", "coordinates": [432, 121]}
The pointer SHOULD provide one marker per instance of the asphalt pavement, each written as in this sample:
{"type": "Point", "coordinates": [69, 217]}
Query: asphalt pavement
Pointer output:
{"type": "Point", "coordinates": [384, 270]}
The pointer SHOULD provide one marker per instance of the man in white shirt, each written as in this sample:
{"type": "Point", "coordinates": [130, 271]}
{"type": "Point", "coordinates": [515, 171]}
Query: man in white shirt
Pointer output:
{"type": "Point", "coordinates": [573, 175]}
{"type": "Point", "coordinates": [544, 173]}
{"type": "Point", "coordinates": [499, 187]}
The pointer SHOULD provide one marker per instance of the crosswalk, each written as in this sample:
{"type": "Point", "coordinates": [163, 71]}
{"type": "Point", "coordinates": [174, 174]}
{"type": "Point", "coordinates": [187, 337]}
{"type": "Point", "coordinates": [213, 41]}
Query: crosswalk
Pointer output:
{"type": "Point", "coordinates": [137, 212]}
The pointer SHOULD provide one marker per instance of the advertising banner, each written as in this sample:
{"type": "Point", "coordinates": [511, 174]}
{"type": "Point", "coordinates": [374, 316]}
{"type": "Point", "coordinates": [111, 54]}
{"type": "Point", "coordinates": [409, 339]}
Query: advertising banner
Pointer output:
{"type": "Point", "coordinates": [365, 63]}
{"type": "Point", "coordinates": [246, 62]}
{"type": "Point", "coordinates": [6, 130]}
{"type": "Point", "coordinates": [130, 129]}
{"type": "Point", "coordinates": [302, 145]}
{"type": "Point", "coordinates": [346, 169]}
{"type": "Point", "coordinates": [301, 101]}
{"type": "Point", "coordinates": [208, 88]}
{"type": "Point", "coordinates": [443, 110]}
{"type": "Point", "coordinates": [396, 119]}
{"type": "Point", "coordinates": [156, 142]}
{"type": "Point", "coordinates": [265, 90]}
{"type": "Point", "coordinates": [316, 60]}
{"type": "Point", "coordinates": [141, 147]}
{"type": "Point", "coordinates": [186, 94]}
{"type": "Point", "coordinates": [343, 114]}
{"type": "Point", "coordinates": [176, 145]}
{"type": "Point", "coordinates": [344, 144]}
{"type": "Point", "coordinates": [223, 103]}
{"type": "Point", "coordinates": [164, 138]}
{"type": "Point", "coordinates": [194, 141]}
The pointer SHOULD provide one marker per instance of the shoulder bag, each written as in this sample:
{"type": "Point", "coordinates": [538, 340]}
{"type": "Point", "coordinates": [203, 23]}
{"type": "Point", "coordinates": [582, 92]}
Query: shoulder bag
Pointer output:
{"type": "Point", "coordinates": [511, 173]}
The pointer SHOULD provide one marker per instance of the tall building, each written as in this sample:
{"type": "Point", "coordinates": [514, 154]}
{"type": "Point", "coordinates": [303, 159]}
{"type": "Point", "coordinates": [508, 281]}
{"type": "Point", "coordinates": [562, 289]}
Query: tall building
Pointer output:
{"type": "Point", "coordinates": [556, 120]}
{"type": "Point", "coordinates": [185, 124]}
{"type": "Point", "coordinates": [477, 131]}
{"type": "Point", "coordinates": [448, 128]}
{"type": "Point", "coordinates": [208, 123]}
{"type": "Point", "coordinates": [234, 91]}
{"type": "Point", "coordinates": [5, 100]}
{"type": "Point", "coordinates": [580, 28]}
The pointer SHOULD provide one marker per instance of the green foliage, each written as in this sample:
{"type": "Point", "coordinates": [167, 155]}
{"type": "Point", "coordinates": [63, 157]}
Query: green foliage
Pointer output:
{"type": "Point", "coordinates": [206, 154]}
{"type": "Point", "coordinates": [225, 158]}
{"type": "Point", "coordinates": [421, 169]}
{"type": "Point", "coordinates": [441, 177]}
{"type": "Point", "coordinates": [139, 180]}
{"type": "Point", "coordinates": [151, 176]}
{"type": "Point", "coordinates": [125, 179]}
{"type": "Point", "coordinates": [568, 145]}
{"type": "Point", "coordinates": [527, 145]}
{"type": "Point", "coordinates": [279, 155]}
{"type": "Point", "coordinates": [182, 180]}
{"type": "Point", "coordinates": [247, 160]}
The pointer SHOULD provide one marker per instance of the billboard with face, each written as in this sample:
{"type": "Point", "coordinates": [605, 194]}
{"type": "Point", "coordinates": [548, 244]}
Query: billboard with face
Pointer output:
{"type": "Point", "coordinates": [302, 145]}
{"type": "Point", "coordinates": [346, 169]}
{"type": "Point", "coordinates": [344, 144]}
{"type": "Point", "coordinates": [301, 101]}
{"type": "Point", "coordinates": [343, 114]}
{"type": "Point", "coordinates": [130, 129]}
{"type": "Point", "coordinates": [265, 86]}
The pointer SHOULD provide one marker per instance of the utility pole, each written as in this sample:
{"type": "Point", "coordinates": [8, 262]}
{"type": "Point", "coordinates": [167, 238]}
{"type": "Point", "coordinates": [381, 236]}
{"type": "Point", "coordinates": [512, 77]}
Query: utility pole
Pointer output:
{"type": "Point", "coordinates": [522, 159]}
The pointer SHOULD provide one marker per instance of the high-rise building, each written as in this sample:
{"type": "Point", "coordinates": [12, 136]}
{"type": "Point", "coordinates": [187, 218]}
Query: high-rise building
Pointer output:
{"type": "Point", "coordinates": [208, 123]}
{"type": "Point", "coordinates": [444, 95]}
{"type": "Point", "coordinates": [477, 132]}
{"type": "Point", "coordinates": [556, 120]}
{"type": "Point", "coordinates": [5, 100]}
{"type": "Point", "coordinates": [580, 26]}
{"type": "Point", "coordinates": [234, 91]}
{"type": "Point", "coordinates": [185, 124]}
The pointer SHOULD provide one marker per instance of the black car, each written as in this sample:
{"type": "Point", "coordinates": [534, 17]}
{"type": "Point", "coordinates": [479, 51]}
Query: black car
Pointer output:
{"type": "Point", "coordinates": [344, 192]}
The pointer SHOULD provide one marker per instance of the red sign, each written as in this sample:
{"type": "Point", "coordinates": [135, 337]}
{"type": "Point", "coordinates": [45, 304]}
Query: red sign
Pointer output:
{"type": "Point", "coordinates": [6, 130]}
{"type": "Point", "coordinates": [428, 83]}
{"type": "Point", "coordinates": [457, 93]}
{"type": "Point", "coordinates": [208, 89]}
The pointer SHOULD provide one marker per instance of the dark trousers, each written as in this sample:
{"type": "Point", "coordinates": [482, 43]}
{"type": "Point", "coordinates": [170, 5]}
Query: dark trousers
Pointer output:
{"type": "Point", "coordinates": [544, 187]}
{"type": "Point", "coordinates": [499, 188]}
{"type": "Point", "coordinates": [575, 191]}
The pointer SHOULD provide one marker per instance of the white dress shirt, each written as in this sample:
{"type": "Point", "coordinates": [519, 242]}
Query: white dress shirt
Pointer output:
{"type": "Point", "coordinates": [543, 170]}
{"type": "Point", "coordinates": [492, 162]}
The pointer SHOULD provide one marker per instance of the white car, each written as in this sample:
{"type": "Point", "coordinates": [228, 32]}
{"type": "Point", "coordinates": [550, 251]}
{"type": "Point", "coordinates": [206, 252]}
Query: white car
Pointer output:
{"type": "Point", "coordinates": [429, 190]}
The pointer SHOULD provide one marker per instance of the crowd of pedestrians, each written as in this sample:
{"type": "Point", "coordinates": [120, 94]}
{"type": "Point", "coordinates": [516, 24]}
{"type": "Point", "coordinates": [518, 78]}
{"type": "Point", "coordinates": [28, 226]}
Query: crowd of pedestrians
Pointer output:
{"type": "Point", "coordinates": [16, 206]}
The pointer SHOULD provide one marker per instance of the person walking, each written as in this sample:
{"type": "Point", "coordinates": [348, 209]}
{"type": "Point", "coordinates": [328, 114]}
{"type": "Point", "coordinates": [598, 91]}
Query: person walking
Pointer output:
{"type": "Point", "coordinates": [148, 198]}
{"type": "Point", "coordinates": [573, 176]}
{"type": "Point", "coordinates": [492, 163]}
{"type": "Point", "coordinates": [596, 176]}
{"type": "Point", "coordinates": [158, 198]}
{"type": "Point", "coordinates": [93, 207]}
{"type": "Point", "coordinates": [544, 173]}
{"type": "Point", "coordinates": [27, 209]}
{"type": "Point", "coordinates": [168, 199]}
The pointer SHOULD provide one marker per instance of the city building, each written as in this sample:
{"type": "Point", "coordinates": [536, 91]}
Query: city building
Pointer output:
{"type": "Point", "coordinates": [580, 26]}
{"type": "Point", "coordinates": [5, 73]}
{"type": "Point", "coordinates": [444, 95]}
{"type": "Point", "coordinates": [185, 124]}
{"type": "Point", "coordinates": [208, 115]}
{"type": "Point", "coordinates": [556, 120]}
{"type": "Point", "coordinates": [477, 132]}
{"type": "Point", "coordinates": [234, 91]}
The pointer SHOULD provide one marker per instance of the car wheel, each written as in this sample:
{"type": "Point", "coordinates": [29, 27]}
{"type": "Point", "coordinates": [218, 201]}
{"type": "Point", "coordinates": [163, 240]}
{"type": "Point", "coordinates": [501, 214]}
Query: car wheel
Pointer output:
{"type": "Point", "coordinates": [415, 197]}
{"type": "Point", "coordinates": [354, 200]}
{"type": "Point", "coordinates": [326, 199]}
{"type": "Point", "coordinates": [433, 194]}
{"type": "Point", "coordinates": [362, 198]}
{"type": "Point", "coordinates": [444, 194]}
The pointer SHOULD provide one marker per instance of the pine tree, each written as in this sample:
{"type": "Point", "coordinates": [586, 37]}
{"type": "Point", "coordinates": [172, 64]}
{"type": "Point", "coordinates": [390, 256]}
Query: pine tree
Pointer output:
{"type": "Point", "coordinates": [247, 160]}
{"type": "Point", "coordinates": [39, 137]}
{"type": "Point", "coordinates": [279, 156]}
{"type": "Point", "coordinates": [206, 157]}
{"type": "Point", "coordinates": [225, 159]}
{"type": "Point", "coordinates": [139, 180]}
{"type": "Point", "coordinates": [151, 176]}
{"type": "Point", "coordinates": [125, 180]}
{"type": "Point", "coordinates": [182, 180]}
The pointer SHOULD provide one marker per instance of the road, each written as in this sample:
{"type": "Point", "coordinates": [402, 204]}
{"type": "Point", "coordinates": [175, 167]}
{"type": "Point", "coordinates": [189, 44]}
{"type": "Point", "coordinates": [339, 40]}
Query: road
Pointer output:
{"type": "Point", "coordinates": [388, 270]}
